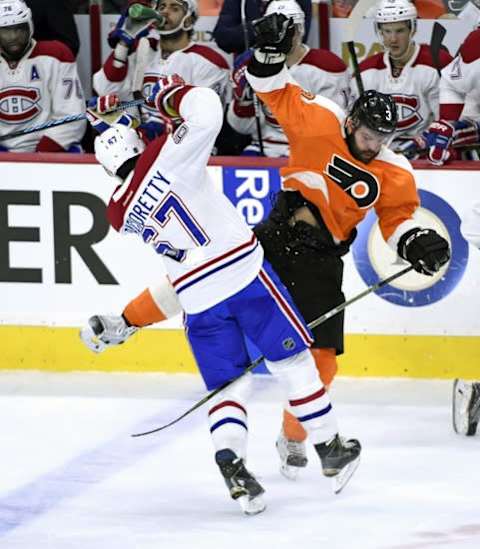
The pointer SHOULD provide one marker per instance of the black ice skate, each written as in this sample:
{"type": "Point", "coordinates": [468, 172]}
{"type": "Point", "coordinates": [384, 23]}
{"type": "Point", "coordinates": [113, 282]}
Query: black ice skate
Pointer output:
{"type": "Point", "coordinates": [340, 459]}
{"type": "Point", "coordinates": [242, 485]}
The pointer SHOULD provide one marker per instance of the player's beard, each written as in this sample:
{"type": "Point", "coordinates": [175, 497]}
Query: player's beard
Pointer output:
{"type": "Point", "coordinates": [355, 151]}
{"type": "Point", "coordinates": [17, 52]}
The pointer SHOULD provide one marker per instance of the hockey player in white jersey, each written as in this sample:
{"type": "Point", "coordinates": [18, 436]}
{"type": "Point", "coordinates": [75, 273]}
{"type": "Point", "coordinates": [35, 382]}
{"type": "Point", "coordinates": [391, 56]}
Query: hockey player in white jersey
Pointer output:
{"type": "Point", "coordinates": [224, 285]}
{"type": "Point", "coordinates": [466, 394]}
{"type": "Point", "coordinates": [170, 51]}
{"type": "Point", "coordinates": [316, 70]}
{"type": "Point", "coordinates": [407, 71]}
{"type": "Point", "coordinates": [458, 128]}
{"type": "Point", "coordinates": [38, 82]}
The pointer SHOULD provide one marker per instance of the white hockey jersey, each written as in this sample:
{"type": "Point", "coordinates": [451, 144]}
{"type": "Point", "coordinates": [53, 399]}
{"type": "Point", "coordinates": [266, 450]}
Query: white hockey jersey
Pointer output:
{"type": "Point", "coordinates": [320, 72]}
{"type": "Point", "coordinates": [460, 82]}
{"type": "Point", "coordinates": [198, 65]}
{"type": "Point", "coordinates": [171, 203]}
{"type": "Point", "coordinates": [415, 90]}
{"type": "Point", "coordinates": [43, 86]}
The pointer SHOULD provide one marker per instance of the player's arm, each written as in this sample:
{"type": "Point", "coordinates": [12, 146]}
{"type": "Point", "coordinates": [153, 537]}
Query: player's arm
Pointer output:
{"type": "Point", "coordinates": [151, 306]}
{"type": "Point", "coordinates": [300, 113]}
{"type": "Point", "coordinates": [424, 248]}
{"type": "Point", "coordinates": [66, 98]}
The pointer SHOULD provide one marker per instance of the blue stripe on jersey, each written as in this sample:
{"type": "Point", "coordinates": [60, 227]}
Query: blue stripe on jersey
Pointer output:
{"type": "Point", "coordinates": [316, 414]}
{"type": "Point", "coordinates": [228, 420]}
{"type": "Point", "coordinates": [213, 271]}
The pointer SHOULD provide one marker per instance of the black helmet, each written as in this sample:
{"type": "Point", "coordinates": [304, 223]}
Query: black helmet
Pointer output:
{"type": "Point", "coordinates": [375, 110]}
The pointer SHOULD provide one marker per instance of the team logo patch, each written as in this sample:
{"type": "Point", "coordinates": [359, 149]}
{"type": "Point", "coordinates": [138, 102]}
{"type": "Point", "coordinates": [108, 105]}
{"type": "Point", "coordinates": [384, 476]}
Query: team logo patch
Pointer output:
{"type": "Point", "coordinates": [375, 260]}
{"type": "Point", "coordinates": [407, 109]}
{"type": "Point", "coordinates": [180, 133]}
{"type": "Point", "coordinates": [18, 104]}
{"type": "Point", "coordinates": [361, 185]}
{"type": "Point", "coordinates": [288, 344]}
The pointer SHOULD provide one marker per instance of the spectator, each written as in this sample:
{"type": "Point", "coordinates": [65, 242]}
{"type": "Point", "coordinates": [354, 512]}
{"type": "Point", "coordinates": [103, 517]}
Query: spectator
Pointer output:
{"type": "Point", "coordinates": [53, 20]}
{"type": "Point", "coordinates": [170, 51]}
{"type": "Point", "coordinates": [318, 71]}
{"type": "Point", "coordinates": [406, 70]}
{"type": "Point", "coordinates": [229, 32]}
{"type": "Point", "coordinates": [38, 82]}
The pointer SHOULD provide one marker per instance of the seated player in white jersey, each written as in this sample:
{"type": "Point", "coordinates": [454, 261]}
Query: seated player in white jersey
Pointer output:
{"type": "Point", "coordinates": [224, 285]}
{"type": "Point", "coordinates": [38, 82]}
{"type": "Point", "coordinates": [456, 134]}
{"type": "Point", "coordinates": [466, 394]}
{"type": "Point", "coordinates": [406, 70]}
{"type": "Point", "coordinates": [170, 50]}
{"type": "Point", "coordinates": [316, 70]}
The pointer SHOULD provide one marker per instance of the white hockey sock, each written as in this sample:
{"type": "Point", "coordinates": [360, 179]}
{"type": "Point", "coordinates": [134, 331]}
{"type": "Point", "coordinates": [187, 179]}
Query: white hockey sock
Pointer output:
{"type": "Point", "coordinates": [307, 397]}
{"type": "Point", "coordinates": [227, 417]}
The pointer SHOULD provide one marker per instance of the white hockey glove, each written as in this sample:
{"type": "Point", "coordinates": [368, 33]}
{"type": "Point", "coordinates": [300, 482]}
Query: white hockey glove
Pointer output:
{"type": "Point", "coordinates": [465, 407]}
{"type": "Point", "coordinates": [105, 331]}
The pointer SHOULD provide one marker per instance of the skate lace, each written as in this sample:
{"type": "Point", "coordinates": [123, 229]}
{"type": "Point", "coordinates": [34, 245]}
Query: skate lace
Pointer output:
{"type": "Point", "coordinates": [295, 448]}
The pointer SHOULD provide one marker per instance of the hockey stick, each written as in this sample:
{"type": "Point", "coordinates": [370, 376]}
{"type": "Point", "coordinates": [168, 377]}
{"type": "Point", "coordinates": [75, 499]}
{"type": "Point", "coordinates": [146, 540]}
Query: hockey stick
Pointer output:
{"type": "Point", "coordinates": [67, 120]}
{"type": "Point", "coordinates": [257, 361]}
{"type": "Point", "coordinates": [353, 22]}
{"type": "Point", "coordinates": [143, 51]}
{"type": "Point", "coordinates": [256, 102]}
{"type": "Point", "coordinates": [438, 34]}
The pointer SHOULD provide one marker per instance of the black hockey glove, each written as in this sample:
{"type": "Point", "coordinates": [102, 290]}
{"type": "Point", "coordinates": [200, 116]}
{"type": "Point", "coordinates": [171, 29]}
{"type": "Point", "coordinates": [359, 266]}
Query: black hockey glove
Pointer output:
{"type": "Point", "coordinates": [425, 249]}
{"type": "Point", "coordinates": [273, 37]}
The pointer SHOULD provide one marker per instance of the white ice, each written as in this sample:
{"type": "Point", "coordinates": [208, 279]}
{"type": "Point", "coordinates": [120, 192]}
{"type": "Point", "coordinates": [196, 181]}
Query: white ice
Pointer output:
{"type": "Point", "coordinates": [71, 476]}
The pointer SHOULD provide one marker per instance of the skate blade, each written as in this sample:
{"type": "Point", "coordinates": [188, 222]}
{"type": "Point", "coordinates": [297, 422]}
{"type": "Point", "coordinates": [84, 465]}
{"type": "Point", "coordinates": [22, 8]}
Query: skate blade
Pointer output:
{"type": "Point", "coordinates": [252, 506]}
{"type": "Point", "coordinates": [289, 472]}
{"type": "Point", "coordinates": [341, 480]}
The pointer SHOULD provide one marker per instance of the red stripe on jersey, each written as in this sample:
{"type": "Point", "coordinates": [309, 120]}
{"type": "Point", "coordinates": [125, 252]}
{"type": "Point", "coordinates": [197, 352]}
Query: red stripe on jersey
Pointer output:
{"type": "Point", "coordinates": [470, 49]}
{"type": "Point", "coordinates": [209, 54]}
{"type": "Point", "coordinates": [305, 400]}
{"type": "Point", "coordinates": [287, 310]}
{"type": "Point", "coordinates": [53, 48]}
{"type": "Point", "coordinates": [325, 60]}
{"type": "Point", "coordinates": [227, 403]}
{"type": "Point", "coordinates": [115, 74]}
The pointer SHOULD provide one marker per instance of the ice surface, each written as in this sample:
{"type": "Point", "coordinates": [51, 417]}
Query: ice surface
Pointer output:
{"type": "Point", "coordinates": [73, 478]}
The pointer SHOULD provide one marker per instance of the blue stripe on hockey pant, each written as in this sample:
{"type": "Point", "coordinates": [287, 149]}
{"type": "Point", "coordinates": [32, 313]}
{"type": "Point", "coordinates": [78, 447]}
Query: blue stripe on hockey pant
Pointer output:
{"type": "Point", "coordinates": [263, 311]}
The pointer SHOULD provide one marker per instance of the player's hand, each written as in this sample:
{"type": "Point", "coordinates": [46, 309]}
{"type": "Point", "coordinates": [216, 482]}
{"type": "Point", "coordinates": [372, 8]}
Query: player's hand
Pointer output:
{"type": "Point", "coordinates": [438, 139]}
{"type": "Point", "coordinates": [163, 89]}
{"type": "Point", "coordinates": [467, 132]}
{"type": "Point", "coordinates": [104, 103]}
{"type": "Point", "coordinates": [105, 331]}
{"type": "Point", "coordinates": [128, 30]}
{"type": "Point", "coordinates": [152, 129]}
{"type": "Point", "coordinates": [425, 249]}
{"type": "Point", "coordinates": [273, 34]}
{"type": "Point", "coordinates": [242, 91]}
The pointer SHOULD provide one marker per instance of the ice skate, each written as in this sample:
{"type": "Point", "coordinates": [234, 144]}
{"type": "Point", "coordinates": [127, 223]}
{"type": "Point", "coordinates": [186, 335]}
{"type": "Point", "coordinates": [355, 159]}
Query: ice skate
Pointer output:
{"type": "Point", "coordinates": [340, 459]}
{"type": "Point", "coordinates": [293, 456]}
{"type": "Point", "coordinates": [242, 485]}
{"type": "Point", "coordinates": [465, 407]}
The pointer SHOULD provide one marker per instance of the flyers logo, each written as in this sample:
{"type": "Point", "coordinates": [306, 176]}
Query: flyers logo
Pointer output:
{"type": "Point", "coordinates": [407, 109]}
{"type": "Point", "coordinates": [361, 185]}
{"type": "Point", "coordinates": [308, 95]}
{"type": "Point", "coordinates": [19, 105]}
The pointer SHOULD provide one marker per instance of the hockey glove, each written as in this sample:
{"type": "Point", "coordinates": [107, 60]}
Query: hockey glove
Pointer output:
{"type": "Point", "coordinates": [438, 139]}
{"type": "Point", "coordinates": [410, 147]}
{"type": "Point", "coordinates": [162, 91]}
{"type": "Point", "coordinates": [152, 129]}
{"type": "Point", "coordinates": [128, 30]}
{"type": "Point", "coordinates": [425, 249]}
{"type": "Point", "coordinates": [273, 37]}
{"type": "Point", "coordinates": [467, 132]}
{"type": "Point", "coordinates": [101, 118]}
{"type": "Point", "coordinates": [105, 331]}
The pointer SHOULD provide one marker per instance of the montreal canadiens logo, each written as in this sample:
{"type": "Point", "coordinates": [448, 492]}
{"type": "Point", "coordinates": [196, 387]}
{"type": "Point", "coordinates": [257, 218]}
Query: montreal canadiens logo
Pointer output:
{"type": "Point", "coordinates": [375, 260]}
{"type": "Point", "coordinates": [407, 109]}
{"type": "Point", "coordinates": [19, 104]}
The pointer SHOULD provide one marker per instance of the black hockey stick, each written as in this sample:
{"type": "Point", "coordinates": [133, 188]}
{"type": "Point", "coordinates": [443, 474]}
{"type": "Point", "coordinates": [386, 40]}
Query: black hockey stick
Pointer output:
{"type": "Point", "coordinates": [438, 34]}
{"type": "Point", "coordinates": [256, 101]}
{"type": "Point", "coordinates": [257, 361]}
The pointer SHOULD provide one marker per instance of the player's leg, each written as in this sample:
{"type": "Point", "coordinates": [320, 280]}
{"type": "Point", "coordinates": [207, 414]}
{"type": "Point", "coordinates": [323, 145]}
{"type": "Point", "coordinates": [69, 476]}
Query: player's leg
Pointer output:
{"type": "Point", "coordinates": [274, 324]}
{"type": "Point", "coordinates": [219, 349]}
{"type": "Point", "coordinates": [466, 407]}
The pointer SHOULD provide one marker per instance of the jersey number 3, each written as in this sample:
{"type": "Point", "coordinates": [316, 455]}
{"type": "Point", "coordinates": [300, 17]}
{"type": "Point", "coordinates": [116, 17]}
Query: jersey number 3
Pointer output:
{"type": "Point", "coordinates": [361, 185]}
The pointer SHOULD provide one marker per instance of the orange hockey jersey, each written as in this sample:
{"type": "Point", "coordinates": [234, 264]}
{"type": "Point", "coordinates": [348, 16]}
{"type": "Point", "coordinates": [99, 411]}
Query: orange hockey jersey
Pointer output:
{"type": "Point", "coordinates": [323, 170]}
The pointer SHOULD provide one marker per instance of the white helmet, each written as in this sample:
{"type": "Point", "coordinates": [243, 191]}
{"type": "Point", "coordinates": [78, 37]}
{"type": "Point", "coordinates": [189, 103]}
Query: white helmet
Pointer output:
{"type": "Point", "coordinates": [393, 11]}
{"type": "Point", "coordinates": [15, 12]}
{"type": "Point", "coordinates": [191, 10]}
{"type": "Point", "coordinates": [289, 8]}
{"type": "Point", "coordinates": [117, 145]}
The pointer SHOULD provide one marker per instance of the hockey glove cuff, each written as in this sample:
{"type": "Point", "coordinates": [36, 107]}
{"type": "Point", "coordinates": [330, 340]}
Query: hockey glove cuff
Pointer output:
{"type": "Point", "coordinates": [425, 249]}
{"type": "Point", "coordinates": [438, 138]}
{"type": "Point", "coordinates": [105, 331]}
